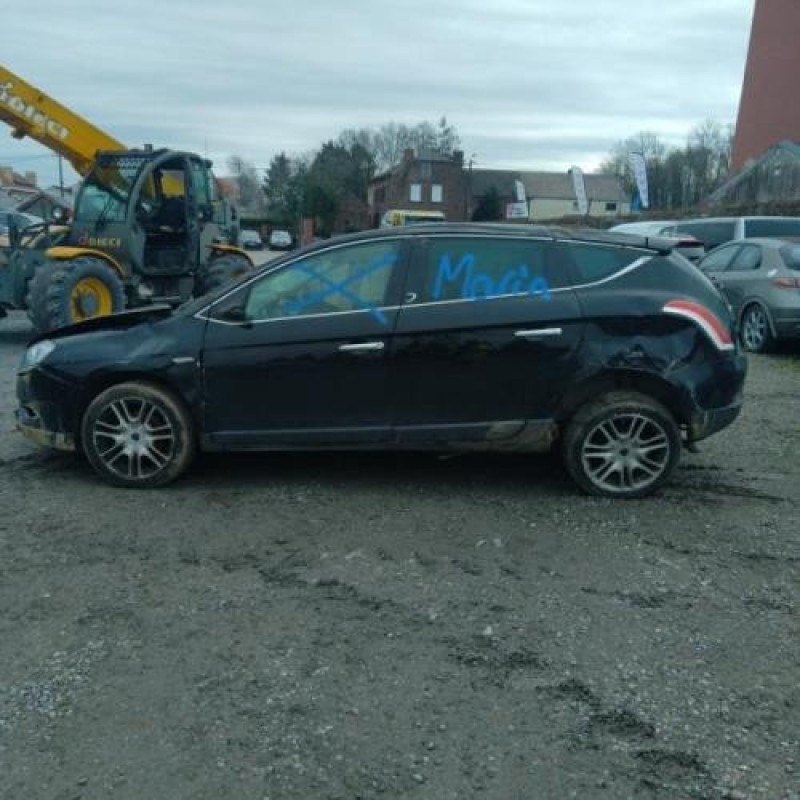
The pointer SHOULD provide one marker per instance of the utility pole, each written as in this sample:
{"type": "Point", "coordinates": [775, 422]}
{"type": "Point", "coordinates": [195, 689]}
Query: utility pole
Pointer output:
{"type": "Point", "coordinates": [60, 176]}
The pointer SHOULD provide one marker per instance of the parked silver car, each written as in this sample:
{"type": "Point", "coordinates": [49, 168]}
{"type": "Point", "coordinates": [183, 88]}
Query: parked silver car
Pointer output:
{"type": "Point", "coordinates": [761, 280]}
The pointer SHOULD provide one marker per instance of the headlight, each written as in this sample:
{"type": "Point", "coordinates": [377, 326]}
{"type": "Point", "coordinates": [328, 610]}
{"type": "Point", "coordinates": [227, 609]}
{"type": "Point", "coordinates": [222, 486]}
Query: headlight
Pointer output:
{"type": "Point", "coordinates": [37, 353]}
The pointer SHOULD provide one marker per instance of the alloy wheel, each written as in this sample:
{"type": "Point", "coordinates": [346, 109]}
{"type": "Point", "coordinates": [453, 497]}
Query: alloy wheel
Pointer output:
{"type": "Point", "coordinates": [754, 328]}
{"type": "Point", "coordinates": [134, 438]}
{"type": "Point", "coordinates": [626, 452]}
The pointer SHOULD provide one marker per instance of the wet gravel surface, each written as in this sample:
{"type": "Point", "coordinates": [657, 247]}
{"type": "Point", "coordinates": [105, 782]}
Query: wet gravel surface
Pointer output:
{"type": "Point", "coordinates": [367, 626]}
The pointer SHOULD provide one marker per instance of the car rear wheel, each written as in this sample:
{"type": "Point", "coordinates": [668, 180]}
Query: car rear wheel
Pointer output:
{"type": "Point", "coordinates": [624, 445]}
{"type": "Point", "coordinates": [137, 435]}
{"type": "Point", "coordinates": [756, 335]}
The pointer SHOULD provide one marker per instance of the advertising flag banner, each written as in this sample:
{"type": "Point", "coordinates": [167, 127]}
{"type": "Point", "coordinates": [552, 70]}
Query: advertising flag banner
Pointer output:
{"type": "Point", "coordinates": [639, 168]}
{"type": "Point", "coordinates": [579, 185]}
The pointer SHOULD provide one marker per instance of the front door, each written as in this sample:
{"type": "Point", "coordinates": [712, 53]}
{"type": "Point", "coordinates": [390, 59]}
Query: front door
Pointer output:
{"type": "Point", "coordinates": [298, 355]}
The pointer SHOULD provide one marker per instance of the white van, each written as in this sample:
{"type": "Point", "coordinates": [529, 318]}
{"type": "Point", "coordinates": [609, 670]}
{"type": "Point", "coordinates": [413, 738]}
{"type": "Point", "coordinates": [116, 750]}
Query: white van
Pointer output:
{"type": "Point", "coordinates": [714, 231]}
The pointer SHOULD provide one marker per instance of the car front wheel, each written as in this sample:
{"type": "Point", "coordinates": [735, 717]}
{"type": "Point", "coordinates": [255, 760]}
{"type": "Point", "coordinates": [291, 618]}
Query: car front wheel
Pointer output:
{"type": "Point", "coordinates": [623, 445]}
{"type": "Point", "coordinates": [137, 435]}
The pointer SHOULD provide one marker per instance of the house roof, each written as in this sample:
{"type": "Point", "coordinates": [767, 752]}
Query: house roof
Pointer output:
{"type": "Point", "coordinates": [549, 185]}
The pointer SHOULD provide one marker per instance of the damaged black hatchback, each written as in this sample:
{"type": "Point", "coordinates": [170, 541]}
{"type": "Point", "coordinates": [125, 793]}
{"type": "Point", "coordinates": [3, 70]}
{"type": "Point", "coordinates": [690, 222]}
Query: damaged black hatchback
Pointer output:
{"type": "Point", "coordinates": [439, 337]}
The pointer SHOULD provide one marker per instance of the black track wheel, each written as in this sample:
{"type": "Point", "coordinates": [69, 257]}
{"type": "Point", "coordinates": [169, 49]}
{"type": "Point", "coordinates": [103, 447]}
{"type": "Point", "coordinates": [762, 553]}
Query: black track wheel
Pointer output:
{"type": "Point", "coordinates": [222, 270]}
{"type": "Point", "coordinates": [624, 444]}
{"type": "Point", "coordinates": [65, 292]}
{"type": "Point", "coordinates": [138, 435]}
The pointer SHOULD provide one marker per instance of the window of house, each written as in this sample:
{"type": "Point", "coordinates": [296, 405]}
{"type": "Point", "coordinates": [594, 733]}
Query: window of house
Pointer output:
{"type": "Point", "coordinates": [416, 193]}
{"type": "Point", "coordinates": [611, 206]}
{"type": "Point", "coordinates": [436, 193]}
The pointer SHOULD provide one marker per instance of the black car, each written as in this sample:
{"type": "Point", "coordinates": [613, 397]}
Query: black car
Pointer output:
{"type": "Point", "coordinates": [438, 337]}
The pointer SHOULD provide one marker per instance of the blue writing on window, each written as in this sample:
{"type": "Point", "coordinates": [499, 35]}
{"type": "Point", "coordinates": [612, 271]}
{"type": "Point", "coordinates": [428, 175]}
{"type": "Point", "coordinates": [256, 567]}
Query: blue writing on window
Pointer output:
{"type": "Point", "coordinates": [476, 285]}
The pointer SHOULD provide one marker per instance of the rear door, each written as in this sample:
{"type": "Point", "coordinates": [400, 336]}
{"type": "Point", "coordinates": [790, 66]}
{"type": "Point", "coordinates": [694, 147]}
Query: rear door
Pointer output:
{"type": "Point", "coordinates": [488, 332]}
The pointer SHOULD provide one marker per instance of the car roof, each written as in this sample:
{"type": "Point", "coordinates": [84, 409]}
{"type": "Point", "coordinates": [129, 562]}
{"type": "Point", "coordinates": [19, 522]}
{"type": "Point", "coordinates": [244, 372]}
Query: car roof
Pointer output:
{"type": "Point", "coordinates": [511, 231]}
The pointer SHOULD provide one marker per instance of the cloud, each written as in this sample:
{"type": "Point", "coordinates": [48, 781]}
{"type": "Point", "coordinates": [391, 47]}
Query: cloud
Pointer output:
{"type": "Point", "coordinates": [528, 83]}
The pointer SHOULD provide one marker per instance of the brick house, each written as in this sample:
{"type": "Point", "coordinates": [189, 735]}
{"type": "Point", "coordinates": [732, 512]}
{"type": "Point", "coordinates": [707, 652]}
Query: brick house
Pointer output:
{"type": "Point", "coordinates": [424, 183]}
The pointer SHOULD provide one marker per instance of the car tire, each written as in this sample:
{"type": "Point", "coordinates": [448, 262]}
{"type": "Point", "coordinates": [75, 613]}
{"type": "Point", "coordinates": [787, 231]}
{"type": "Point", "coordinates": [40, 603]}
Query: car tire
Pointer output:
{"type": "Point", "coordinates": [66, 292]}
{"type": "Point", "coordinates": [138, 435]}
{"type": "Point", "coordinates": [222, 270]}
{"type": "Point", "coordinates": [622, 445]}
{"type": "Point", "coordinates": [755, 333]}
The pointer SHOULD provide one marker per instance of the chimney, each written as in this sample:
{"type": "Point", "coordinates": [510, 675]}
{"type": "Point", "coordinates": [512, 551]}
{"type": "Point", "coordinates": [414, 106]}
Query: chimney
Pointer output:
{"type": "Point", "coordinates": [408, 154]}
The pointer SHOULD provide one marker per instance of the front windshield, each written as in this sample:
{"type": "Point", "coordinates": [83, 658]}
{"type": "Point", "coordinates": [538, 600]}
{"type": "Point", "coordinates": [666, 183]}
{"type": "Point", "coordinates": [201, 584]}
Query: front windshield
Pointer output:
{"type": "Point", "coordinates": [105, 192]}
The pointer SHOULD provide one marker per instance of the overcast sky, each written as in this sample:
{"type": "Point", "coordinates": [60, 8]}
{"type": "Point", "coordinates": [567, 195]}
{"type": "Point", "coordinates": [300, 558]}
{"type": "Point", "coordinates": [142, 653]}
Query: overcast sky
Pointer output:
{"type": "Point", "coordinates": [535, 84]}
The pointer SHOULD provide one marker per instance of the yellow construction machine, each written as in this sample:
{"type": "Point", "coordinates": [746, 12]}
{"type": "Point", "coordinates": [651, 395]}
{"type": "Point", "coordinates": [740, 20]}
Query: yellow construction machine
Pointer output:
{"type": "Point", "coordinates": [149, 225]}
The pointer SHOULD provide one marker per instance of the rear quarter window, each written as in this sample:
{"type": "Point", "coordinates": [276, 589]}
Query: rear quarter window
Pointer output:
{"type": "Point", "coordinates": [595, 262]}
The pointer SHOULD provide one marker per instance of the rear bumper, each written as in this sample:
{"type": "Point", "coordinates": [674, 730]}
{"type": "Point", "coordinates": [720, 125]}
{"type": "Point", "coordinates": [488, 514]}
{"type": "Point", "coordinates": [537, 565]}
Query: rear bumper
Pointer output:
{"type": "Point", "coordinates": [713, 395]}
{"type": "Point", "coordinates": [705, 423]}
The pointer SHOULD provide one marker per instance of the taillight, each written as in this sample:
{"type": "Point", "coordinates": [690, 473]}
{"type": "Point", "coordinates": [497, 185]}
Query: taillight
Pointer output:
{"type": "Point", "coordinates": [786, 283]}
{"type": "Point", "coordinates": [712, 325]}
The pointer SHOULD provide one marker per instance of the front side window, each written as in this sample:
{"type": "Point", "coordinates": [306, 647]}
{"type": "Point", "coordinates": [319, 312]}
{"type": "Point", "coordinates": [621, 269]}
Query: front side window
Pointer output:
{"type": "Point", "coordinates": [345, 279]}
{"type": "Point", "coordinates": [595, 262]}
{"type": "Point", "coordinates": [476, 268]}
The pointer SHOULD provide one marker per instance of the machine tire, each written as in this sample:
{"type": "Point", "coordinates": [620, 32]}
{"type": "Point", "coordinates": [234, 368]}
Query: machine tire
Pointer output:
{"type": "Point", "coordinates": [138, 435]}
{"type": "Point", "coordinates": [222, 270]}
{"type": "Point", "coordinates": [631, 433]}
{"type": "Point", "coordinates": [65, 292]}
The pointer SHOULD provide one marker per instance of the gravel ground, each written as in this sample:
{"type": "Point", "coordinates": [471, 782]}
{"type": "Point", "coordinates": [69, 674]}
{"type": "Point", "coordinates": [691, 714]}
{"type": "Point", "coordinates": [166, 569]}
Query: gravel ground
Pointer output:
{"type": "Point", "coordinates": [365, 626]}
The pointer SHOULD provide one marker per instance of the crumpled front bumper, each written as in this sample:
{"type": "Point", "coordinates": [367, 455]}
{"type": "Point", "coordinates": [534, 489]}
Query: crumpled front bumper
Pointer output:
{"type": "Point", "coordinates": [31, 425]}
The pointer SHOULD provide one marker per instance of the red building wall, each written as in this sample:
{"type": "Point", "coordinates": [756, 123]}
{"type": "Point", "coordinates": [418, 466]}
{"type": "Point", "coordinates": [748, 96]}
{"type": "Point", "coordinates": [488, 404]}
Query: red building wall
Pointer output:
{"type": "Point", "coordinates": [769, 111]}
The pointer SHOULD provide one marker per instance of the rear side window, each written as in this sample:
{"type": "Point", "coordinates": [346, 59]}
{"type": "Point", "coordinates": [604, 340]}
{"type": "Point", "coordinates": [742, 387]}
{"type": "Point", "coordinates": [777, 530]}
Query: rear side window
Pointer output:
{"type": "Point", "coordinates": [596, 262]}
{"type": "Point", "coordinates": [468, 268]}
{"type": "Point", "coordinates": [755, 228]}
{"type": "Point", "coordinates": [712, 234]}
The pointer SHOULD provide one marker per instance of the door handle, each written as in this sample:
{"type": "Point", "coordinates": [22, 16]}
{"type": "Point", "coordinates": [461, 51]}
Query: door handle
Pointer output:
{"type": "Point", "coordinates": [363, 347]}
{"type": "Point", "coordinates": [538, 333]}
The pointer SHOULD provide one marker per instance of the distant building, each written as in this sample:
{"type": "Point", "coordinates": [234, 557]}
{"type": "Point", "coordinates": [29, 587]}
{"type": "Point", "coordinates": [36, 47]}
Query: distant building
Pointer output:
{"type": "Point", "coordinates": [769, 111]}
{"type": "Point", "coordinates": [445, 184]}
{"type": "Point", "coordinates": [426, 183]}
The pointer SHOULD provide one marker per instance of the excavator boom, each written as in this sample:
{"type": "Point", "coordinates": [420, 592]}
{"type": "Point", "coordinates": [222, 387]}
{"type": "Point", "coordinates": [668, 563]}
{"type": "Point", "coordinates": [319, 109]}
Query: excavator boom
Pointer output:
{"type": "Point", "coordinates": [32, 113]}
